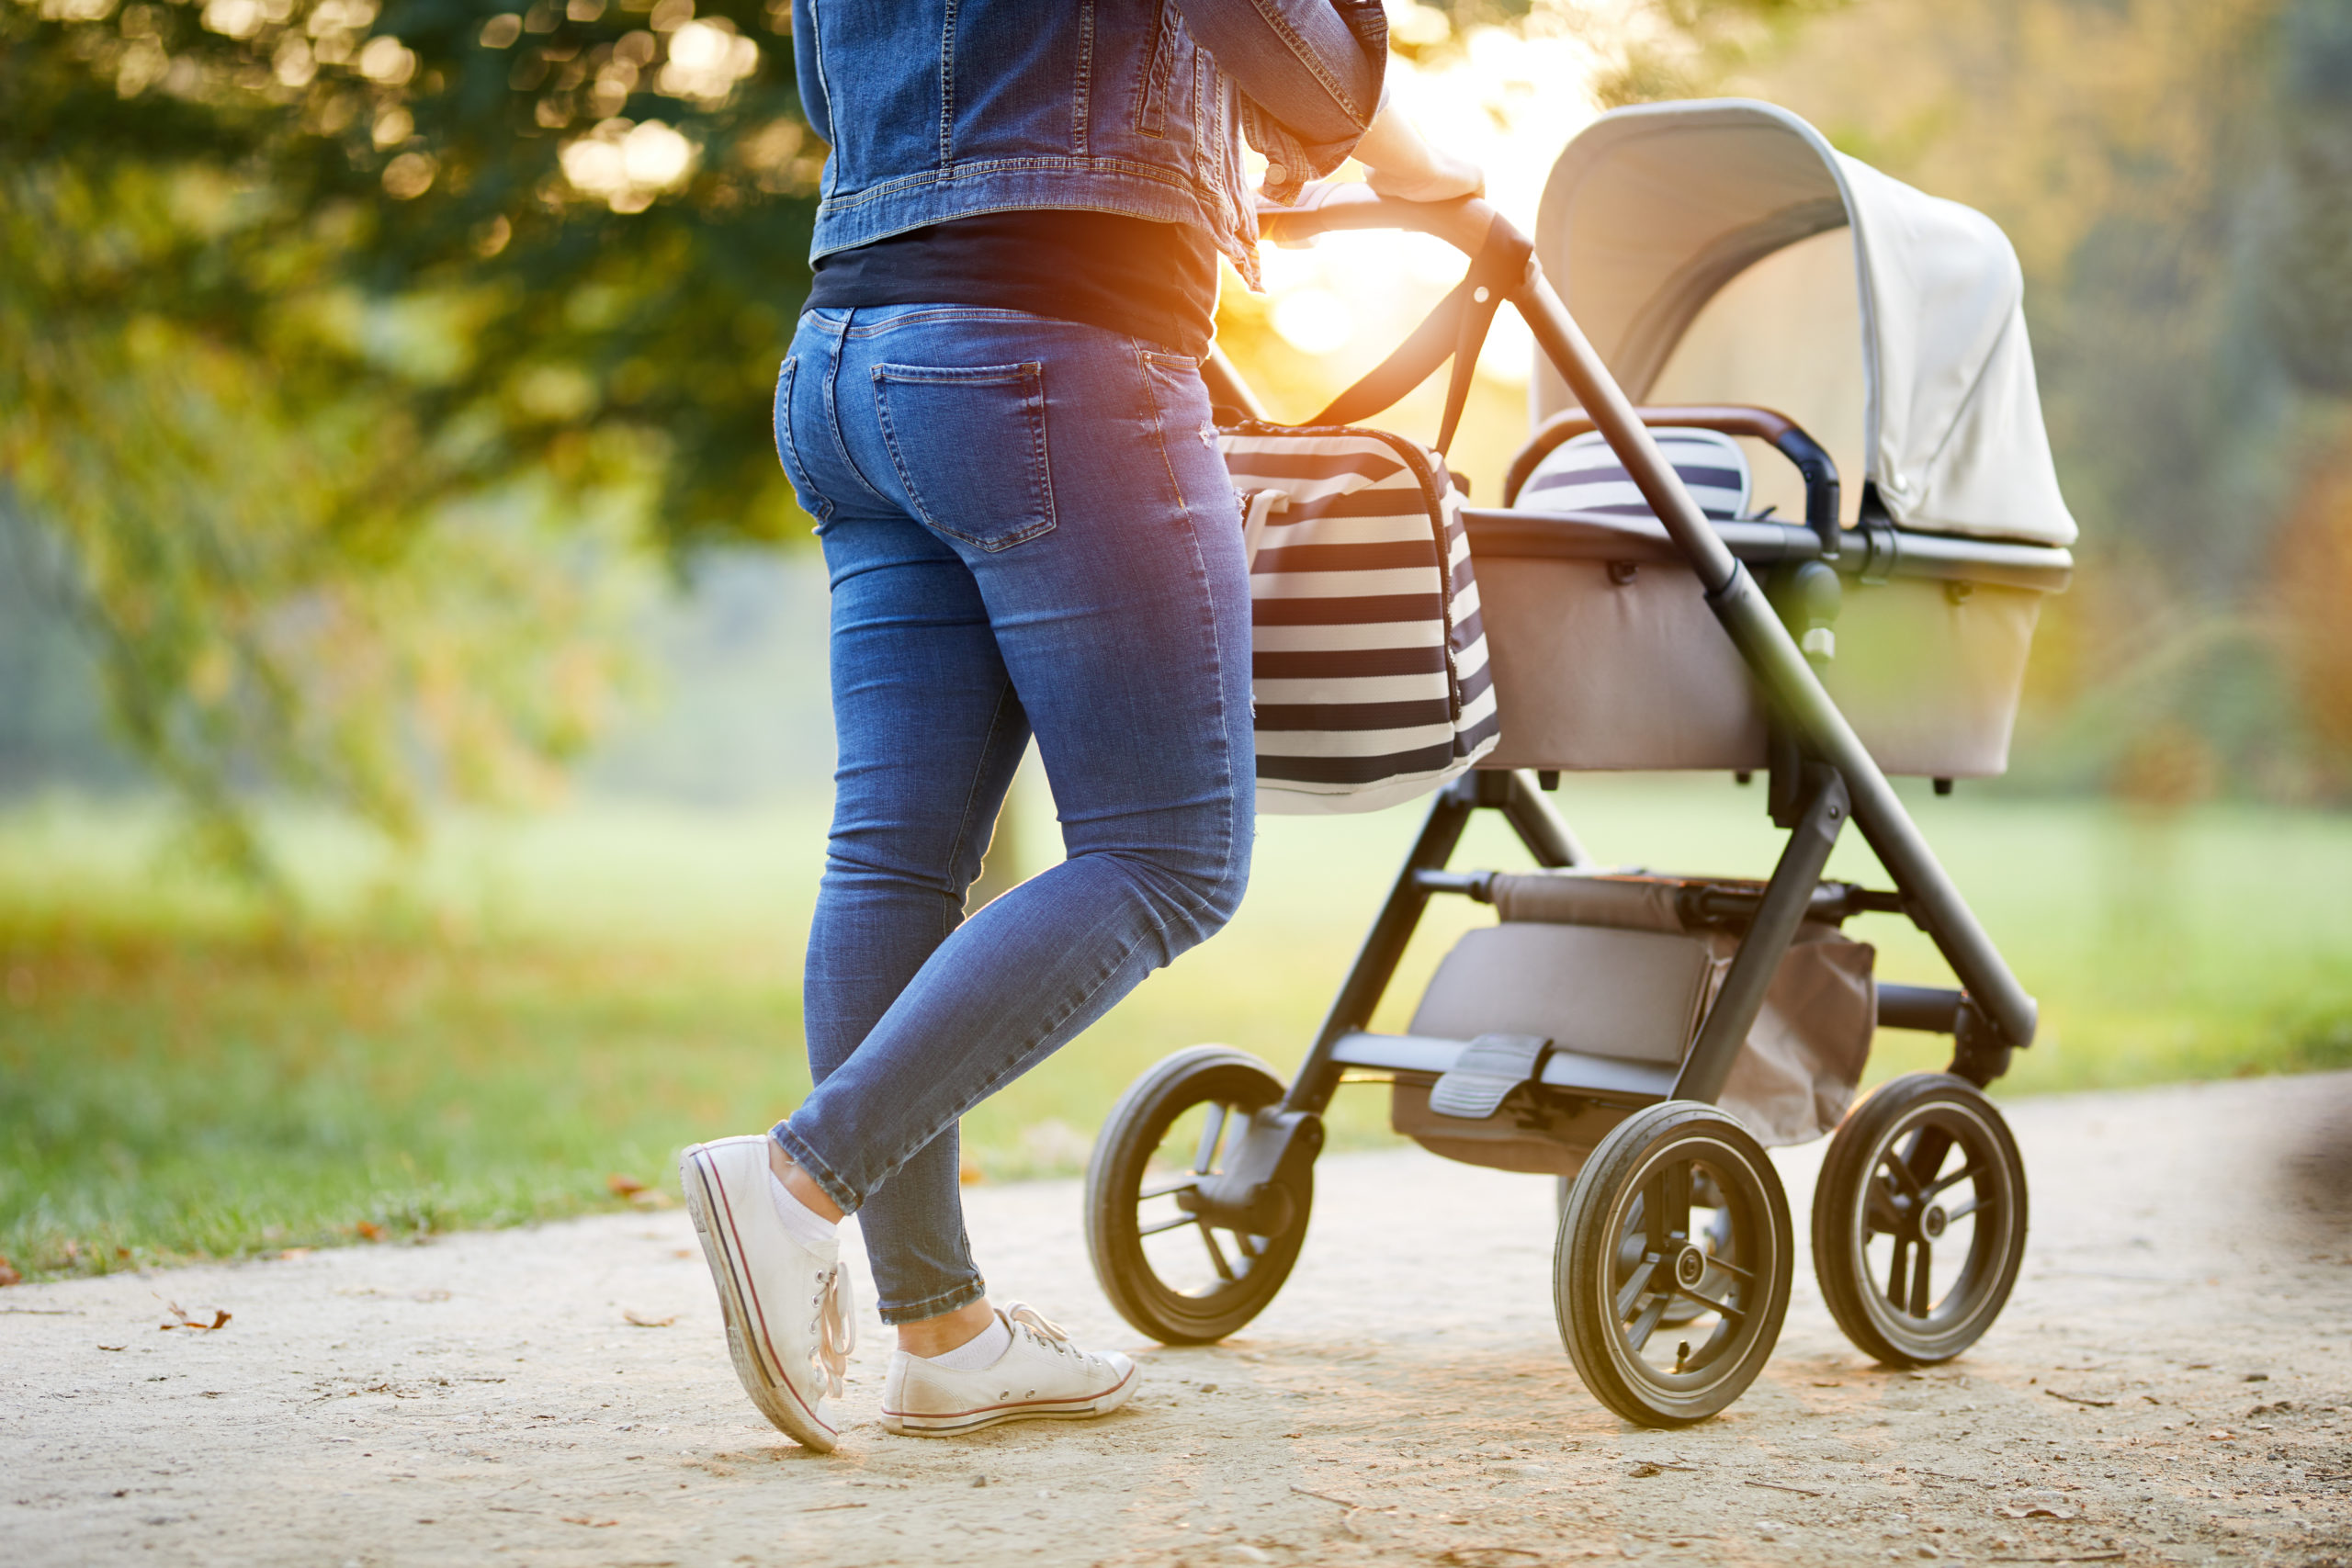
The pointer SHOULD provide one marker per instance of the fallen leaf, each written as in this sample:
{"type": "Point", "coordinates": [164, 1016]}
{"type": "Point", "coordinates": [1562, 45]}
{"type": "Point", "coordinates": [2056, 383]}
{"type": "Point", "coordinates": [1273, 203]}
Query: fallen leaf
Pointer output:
{"type": "Point", "coordinates": [8, 1275]}
{"type": "Point", "coordinates": [644, 1322]}
{"type": "Point", "coordinates": [114, 1346]}
{"type": "Point", "coordinates": [624, 1186]}
{"type": "Point", "coordinates": [292, 1253]}
{"type": "Point", "coordinates": [2034, 1511]}
{"type": "Point", "coordinates": [370, 1229]}
{"type": "Point", "coordinates": [591, 1524]}
{"type": "Point", "coordinates": [180, 1319]}
{"type": "Point", "coordinates": [1643, 1471]}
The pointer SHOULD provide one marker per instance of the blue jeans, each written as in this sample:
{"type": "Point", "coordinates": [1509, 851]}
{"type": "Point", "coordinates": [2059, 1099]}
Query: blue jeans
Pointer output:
{"type": "Point", "coordinates": [1028, 530]}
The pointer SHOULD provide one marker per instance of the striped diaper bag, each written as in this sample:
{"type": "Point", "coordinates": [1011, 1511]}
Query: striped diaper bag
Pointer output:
{"type": "Point", "coordinates": [1369, 658]}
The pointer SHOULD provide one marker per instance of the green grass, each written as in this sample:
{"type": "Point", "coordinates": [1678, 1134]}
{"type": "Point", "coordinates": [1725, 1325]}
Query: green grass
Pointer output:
{"type": "Point", "coordinates": [485, 1034]}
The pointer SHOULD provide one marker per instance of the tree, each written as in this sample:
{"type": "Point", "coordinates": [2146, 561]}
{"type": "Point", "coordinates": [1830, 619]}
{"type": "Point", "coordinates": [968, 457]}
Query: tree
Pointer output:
{"type": "Point", "coordinates": [340, 352]}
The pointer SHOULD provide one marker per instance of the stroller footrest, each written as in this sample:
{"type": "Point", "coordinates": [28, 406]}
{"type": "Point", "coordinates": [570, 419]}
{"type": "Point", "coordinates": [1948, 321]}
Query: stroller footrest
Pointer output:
{"type": "Point", "coordinates": [1483, 1077]}
{"type": "Point", "coordinates": [1426, 1056]}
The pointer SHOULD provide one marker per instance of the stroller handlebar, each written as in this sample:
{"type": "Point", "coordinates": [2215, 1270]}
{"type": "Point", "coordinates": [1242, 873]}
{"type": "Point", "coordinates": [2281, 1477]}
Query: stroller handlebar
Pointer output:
{"type": "Point", "coordinates": [1327, 209]}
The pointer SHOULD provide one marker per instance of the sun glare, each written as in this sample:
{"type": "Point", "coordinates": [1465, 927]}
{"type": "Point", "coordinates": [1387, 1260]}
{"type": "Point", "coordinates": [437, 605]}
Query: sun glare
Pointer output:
{"type": "Point", "coordinates": [1507, 102]}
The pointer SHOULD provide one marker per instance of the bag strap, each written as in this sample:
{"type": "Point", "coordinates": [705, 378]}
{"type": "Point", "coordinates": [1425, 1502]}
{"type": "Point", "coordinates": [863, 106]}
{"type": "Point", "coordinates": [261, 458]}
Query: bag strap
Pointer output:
{"type": "Point", "coordinates": [1455, 329]}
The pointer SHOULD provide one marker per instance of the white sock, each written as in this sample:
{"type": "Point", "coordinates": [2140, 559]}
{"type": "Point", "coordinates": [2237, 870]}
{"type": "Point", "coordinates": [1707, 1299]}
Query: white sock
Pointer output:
{"type": "Point", "coordinates": [806, 1226]}
{"type": "Point", "coordinates": [979, 1353]}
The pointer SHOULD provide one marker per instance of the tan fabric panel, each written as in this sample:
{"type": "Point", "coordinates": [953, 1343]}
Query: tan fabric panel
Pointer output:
{"type": "Point", "coordinates": [1631, 995]}
{"type": "Point", "coordinates": [1592, 674]}
{"type": "Point", "coordinates": [1796, 1076]}
{"type": "Point", "coordinates": [1628, 903]}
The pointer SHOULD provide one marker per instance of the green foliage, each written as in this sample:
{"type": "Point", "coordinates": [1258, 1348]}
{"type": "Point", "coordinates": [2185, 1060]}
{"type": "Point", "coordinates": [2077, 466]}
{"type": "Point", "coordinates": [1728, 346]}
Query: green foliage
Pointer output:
{"type": "Point", "coordinates": [2304, 221]}
{"type": "Point", "coordinates": [343, 355]}
{"type": "Point", "coordinates": [481, 1037]}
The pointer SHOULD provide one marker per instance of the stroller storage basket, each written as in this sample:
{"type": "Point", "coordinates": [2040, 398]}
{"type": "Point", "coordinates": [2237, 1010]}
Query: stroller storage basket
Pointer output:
{"type": "Point", "coordinates": [1618, 970]}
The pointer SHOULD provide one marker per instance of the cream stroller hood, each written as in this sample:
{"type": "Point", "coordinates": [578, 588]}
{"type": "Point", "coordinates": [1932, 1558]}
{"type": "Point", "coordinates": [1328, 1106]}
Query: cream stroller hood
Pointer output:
{"type": "Point", "coordinates": [1654, 210]}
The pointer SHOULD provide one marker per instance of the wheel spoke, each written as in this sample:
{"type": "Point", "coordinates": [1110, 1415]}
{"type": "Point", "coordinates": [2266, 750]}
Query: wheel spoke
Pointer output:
{"type": "Point", "coordinates": [1638, 1334]}
{"type": "Point", "coordinates": [1216, 1253]}
{"type": "Point", "coordinates": [1882, 1208]}
{"type": "Point", "coordinates": [1159, 1225]}
{"type": "Point", "coordinates": [1718, 1260]}
{"type": "Point", "coordinates": [1669, 1216]}
{"type": "Point", "coordinates": [1212, 1130]}
{"type": "Point", "coordinates": [1636, 1287]}
{"type": "Point", "coordinates": [1897, 1272]}
{"type": "Point", "coordinates": [1954, 1179]}
{"type": "Point", "coordinates": [1961, 1211]}
{"type": "Point", "coordinates": [1734, 1314]}
{"type": "Point", "coordinates": [1899, 1167]}
{"type": "Point", "coordinates": [1920, 1283]}
{"type": "Point", "coordinates": [1186, 1185]}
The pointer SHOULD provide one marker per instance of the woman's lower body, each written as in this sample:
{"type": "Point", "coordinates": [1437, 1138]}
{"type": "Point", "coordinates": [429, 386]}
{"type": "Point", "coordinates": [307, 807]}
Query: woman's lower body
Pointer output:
{"type": "Point", "coordinates": [1028, 532]}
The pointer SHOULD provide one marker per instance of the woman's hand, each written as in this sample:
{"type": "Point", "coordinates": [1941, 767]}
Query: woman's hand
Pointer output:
{"type": "Point", "coordinates": [1398, 163]}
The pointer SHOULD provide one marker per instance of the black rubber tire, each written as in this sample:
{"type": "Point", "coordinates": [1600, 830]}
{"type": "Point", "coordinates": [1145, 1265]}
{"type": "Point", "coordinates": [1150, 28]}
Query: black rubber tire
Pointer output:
{"type": "Point", "coordinates": [1920, 1107]}
{"type": "Point", "coordinates": [1597, 1258]}
{"type": "Point", "coordinates": [1114, 1178]}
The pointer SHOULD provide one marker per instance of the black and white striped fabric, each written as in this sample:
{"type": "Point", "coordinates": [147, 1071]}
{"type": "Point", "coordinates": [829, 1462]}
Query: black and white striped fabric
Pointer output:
{"type": "Point", "coordinates": [1584, 475]}
{"type": "Point", "coordinates": [1369, 658]}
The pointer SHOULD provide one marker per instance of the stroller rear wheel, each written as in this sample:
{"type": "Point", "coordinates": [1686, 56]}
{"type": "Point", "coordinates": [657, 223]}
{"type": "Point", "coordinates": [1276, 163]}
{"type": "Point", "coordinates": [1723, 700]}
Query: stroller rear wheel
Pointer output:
{"type": "Point", "coordinates": [1175, 1274]}
{"type": "Point", "coordinates": [1671, 1275]}
{"type": "Point", "coordinates": [1919, 1221]}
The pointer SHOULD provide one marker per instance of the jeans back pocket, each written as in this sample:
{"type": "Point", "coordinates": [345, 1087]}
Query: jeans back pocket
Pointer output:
{"type": "Point", "coordinates": [788, 448]}
{"type": "Point", "coordinates": [968, 442]}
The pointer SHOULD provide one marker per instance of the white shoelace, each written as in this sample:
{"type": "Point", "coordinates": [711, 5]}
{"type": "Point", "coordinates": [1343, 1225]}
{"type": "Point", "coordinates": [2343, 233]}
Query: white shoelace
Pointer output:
{"type": "Point", "coordinates": [834, 1329]}
{"type": "Point", "coordinates": [1040, 1327]}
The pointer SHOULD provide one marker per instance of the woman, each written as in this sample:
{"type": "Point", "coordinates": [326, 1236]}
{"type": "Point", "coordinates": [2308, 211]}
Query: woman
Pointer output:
{"type": "Point", "coordinates": [993, 409]}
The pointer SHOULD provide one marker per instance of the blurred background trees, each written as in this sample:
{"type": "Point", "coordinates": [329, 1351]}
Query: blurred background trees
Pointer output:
{"type": "Point", "coordinates": [351, 359]}
{"type": "Point", "coordinates": [365, 370]}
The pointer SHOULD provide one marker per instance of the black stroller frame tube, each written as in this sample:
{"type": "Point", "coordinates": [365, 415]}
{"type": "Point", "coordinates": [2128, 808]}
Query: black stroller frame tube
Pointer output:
{"type": "Point", "coordinates": [1788, 898]}
{"type": "Point", "coordinates": [1788, 680]}
{"type": "Point", "coordinates": [1539, 827]}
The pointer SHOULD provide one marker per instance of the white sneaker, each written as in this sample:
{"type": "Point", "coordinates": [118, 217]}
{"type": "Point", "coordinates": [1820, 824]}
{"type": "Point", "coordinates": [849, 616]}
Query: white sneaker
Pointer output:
{"type": "Point", "coordinates": [791, 1323]}
{"type": "Point", "coordinates": [1042, 1374]}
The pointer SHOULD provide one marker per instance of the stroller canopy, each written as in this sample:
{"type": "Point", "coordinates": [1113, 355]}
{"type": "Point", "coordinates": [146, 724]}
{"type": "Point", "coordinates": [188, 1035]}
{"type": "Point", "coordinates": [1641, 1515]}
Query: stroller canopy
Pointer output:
{"type": "Point", "coordinates": [1655, 212]}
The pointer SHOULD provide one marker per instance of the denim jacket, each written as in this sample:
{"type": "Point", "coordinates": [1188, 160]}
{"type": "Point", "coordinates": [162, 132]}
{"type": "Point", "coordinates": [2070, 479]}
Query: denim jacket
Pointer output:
{"type": "Point", "coordinates": [943, 108]}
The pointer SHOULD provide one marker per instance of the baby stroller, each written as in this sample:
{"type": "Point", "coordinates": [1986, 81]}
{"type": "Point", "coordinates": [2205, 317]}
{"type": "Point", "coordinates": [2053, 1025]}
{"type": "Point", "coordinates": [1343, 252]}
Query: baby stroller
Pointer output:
{"type": "Point", "coordinates": [1648, 1035]}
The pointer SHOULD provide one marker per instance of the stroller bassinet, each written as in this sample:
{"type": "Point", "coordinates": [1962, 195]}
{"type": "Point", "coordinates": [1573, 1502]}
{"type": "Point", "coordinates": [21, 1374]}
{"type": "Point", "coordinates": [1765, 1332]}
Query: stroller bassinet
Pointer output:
{"type": "Point", "coordinates": [1722, 256]}
{"type": "Point", "coordinates": [1650, 1033]}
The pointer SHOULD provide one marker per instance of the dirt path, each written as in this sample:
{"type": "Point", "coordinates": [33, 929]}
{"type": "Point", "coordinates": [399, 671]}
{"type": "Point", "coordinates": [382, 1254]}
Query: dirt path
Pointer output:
{"type": "Point", "coordinates": [2171, 1382]}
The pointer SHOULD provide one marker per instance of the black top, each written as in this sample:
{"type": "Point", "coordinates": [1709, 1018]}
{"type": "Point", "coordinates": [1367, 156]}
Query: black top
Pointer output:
{"type": "Point", "coordinates": [1156, 281]}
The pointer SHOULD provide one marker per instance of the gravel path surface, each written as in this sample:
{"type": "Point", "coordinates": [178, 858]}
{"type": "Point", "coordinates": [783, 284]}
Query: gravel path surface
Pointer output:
{"type": "Point", "coordinates": [2172, 1383]}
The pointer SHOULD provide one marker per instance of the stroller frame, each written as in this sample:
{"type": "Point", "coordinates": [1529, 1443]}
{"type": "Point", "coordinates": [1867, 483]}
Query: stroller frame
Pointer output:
{"type": "Point", "coordinates": [1819, 775]}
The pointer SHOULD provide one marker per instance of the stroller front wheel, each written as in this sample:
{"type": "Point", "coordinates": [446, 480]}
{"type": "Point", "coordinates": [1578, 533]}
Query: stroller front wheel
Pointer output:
{"type": "Point", "coordinates": [1919, 1219]}
{"type": "Point", "coordinates": [1671, 1274]}
{"type": "Point", "coordinates": [1176, 1274]}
